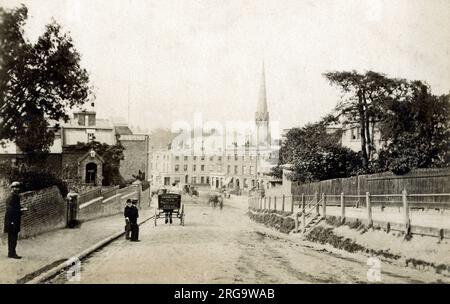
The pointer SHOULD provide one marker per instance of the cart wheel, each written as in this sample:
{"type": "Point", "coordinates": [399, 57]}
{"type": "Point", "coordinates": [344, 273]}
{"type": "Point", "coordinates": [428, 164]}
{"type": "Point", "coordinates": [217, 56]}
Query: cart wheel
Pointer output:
{"type": "Point", "coordinates": [182, 215]}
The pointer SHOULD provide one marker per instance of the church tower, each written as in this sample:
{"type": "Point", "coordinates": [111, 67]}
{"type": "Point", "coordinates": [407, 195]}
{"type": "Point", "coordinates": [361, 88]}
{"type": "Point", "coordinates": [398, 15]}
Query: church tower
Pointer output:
{"type": "Point", "coordinates": [262, 116]}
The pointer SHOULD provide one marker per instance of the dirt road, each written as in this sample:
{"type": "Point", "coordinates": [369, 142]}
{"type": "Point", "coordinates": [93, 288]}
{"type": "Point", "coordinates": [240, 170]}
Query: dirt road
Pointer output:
{"type": "Point", "coordinates": [224, 246]}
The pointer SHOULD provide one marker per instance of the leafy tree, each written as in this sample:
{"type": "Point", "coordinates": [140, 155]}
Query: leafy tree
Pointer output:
{"type": "Point", "coordinates": [316, 154]}
{"type": "Point", "coordinates": [361, 101]}
{"type": "Point", "coordinates": [38, 82]}
{"type": "Point", "coordinates": [416, 131]}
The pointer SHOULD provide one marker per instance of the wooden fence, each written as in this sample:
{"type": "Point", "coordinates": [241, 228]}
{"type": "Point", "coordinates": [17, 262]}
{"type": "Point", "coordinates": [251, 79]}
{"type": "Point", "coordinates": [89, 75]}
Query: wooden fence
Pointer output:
{"type": "Point", "coordinates": [419, 181]}
{"type": "Point", "coordinates": [361, 208]}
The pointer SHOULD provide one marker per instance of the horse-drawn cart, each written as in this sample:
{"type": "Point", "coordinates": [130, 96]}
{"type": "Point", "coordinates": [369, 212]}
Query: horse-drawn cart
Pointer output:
{"type": "Point", "coordinates": [170, 207]}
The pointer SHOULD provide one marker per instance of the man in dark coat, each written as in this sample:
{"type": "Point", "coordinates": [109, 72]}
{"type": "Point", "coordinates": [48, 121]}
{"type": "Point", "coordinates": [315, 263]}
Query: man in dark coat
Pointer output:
{"type": "Point", "coordinates": [127, 213]}
{"type": "Point", "coordinates": [133, 216]}
{"type": "Point", "coordinates": [13, 216]}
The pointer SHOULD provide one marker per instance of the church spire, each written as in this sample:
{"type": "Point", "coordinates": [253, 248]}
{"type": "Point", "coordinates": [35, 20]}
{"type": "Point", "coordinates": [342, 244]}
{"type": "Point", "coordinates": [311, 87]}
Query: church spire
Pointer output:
{"type": "Point", "coordinates": [261, 108]}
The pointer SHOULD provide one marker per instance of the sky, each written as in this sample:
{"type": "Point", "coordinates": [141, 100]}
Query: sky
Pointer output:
{"type": "Point", "coordinates": [158, 62]}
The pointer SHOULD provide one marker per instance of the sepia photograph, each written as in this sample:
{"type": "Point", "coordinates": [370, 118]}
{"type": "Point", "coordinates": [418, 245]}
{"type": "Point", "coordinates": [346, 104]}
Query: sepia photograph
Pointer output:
{"type": "Point", "coordinates": [211, 142]}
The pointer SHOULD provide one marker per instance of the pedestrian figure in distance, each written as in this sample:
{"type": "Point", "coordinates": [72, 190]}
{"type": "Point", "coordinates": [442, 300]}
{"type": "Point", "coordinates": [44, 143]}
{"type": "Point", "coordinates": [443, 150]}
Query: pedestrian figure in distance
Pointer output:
{"type": "Point", "coordinates": [127, 212]}
{"type": "Point", "coordinates": [13, 217]}
{"type": "Point", "coordinates": [133, 216]}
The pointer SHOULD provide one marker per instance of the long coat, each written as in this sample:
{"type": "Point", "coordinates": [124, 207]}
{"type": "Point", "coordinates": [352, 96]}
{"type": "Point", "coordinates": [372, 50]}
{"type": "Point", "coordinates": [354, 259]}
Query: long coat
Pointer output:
{"type": "Point", "coordinates": [132, 213]}
{"type": "Point", "coordinates": [13, 214]}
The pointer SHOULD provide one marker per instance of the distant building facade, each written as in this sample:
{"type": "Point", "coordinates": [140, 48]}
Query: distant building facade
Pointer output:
{"type": "Point", "coordinates": [226, 164]}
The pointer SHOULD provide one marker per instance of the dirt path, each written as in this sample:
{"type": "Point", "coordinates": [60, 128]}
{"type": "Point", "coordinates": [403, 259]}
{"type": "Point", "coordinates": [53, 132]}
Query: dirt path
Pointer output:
{"type": "Point", "coordinates": [224, 246]}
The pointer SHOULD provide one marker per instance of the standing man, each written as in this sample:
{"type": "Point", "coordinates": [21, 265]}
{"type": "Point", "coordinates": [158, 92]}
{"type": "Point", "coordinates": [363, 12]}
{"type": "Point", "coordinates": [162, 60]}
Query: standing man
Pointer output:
{"type": "Point", "coordinates": [127, 212]}
{"type": "Point", "coordinates": [133, 216]}
{"type": "Point", "coordinates": [13, 217]}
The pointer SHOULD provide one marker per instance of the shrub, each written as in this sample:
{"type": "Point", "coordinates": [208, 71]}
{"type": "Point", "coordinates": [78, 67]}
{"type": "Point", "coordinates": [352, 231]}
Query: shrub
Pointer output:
{"type": "Point", "coordinates": [34, 178]}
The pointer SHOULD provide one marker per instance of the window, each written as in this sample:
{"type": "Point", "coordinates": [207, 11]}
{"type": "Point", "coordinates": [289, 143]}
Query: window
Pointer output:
{"type": "Point", "coordinates": [185, 158]}
{"type": "Point", "coordinates": [194, 167]}
{"type": "Point", "coordinates": [194, 157]}
{"type": "Point", "coordinates": [185, 167]}
{"type": "Point", "coordinates": [203, 158]}
{"type": "Point", "coordinates": [235, 157]}
{"type": "Point", "coordinates": [177, 158]}
{"type": "Point", "coordinates": [202, 179]}
{"type": "Point", "coordinates": [211, 158]}
{"type": "Point", "coordinates": [229, 157]}
{"type": "Point", "coordinates": [355, 134]}
{"type": "Point", "coordinates": [243, 157]}
{"type": "Point", "coordinates": [177, 168]}
{"type": "Point", "coordinates": [202, 167]}
{"type": "Point", "coordinates": [228, 169]}
{"type": "Point", "coordinates": [235, 169]}
{"type": "Point", "coordinates": [219, 158]}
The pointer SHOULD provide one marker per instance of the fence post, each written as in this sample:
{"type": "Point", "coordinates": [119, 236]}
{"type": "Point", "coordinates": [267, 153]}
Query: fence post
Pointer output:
{"type": "Point", "coordinates": [282, 204]}
{"type": "Point", "coordinates": [407, 220]}
{"type": "Point", "coordinates": [270, 201]}
{"type": "Point", "coordinates": [296, 222]}
{"type": "Point", "coordinates": [265, 205]}
{"type": "Point", "coordinates": [304, 221]}
{"type": "Point", "coordinates": [342, 207]}
{"type": "Point", "coordinates": [324, 205]}
{"type": "Point", "coordinates": [292, 203]}
{"type": "Point", "coordinates": [303, 213]}
{"type": "Point", "coordinates": [369, 210]}
{"type": "Point", "coordinates": [275, 202]}
{"type": "Point", "coordinates": [316, 197]}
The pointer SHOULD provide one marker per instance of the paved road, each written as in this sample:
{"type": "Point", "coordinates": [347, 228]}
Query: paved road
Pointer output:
{"type": "Point", "coordinates": [224, 246]}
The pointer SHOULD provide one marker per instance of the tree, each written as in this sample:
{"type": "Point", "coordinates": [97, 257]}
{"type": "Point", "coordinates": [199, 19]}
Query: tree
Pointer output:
{"type": "Point", "coordinates": [361, 100]}
{"type": "Point", "coordinates": [416, 131]}
{"type": "Point", "coordinates": [316, 154]}
{"type": "Point", "coordinates": [38, 82]}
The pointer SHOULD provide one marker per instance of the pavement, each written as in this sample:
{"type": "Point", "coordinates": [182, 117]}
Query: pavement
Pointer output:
{"type": "Point", "coordinates": [47, 250]}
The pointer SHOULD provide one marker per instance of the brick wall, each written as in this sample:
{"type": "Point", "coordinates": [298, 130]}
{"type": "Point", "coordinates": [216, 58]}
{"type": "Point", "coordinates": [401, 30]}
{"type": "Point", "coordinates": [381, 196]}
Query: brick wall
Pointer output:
{"type": "Point", "coordinates": [135, 158]}
{"type": "Point", "coordinates": [46, 211]}
{"type": "Point", "coordinates": [4, 192]}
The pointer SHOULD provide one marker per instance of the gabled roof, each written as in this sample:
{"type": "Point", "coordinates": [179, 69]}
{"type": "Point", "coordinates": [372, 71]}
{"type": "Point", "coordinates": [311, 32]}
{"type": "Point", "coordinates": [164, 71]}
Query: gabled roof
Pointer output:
{"type": "Point", "coordinates": [87, 154]}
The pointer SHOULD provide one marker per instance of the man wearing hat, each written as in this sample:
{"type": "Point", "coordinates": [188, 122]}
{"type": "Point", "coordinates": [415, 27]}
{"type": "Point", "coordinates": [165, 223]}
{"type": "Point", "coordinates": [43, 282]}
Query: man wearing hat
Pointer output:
{"type": "Point", "coordinates": [133, 216]}
{"type": "Point", "coordinates": [127, 213]}
{"type": "Point", "coordinates": [13, 216]}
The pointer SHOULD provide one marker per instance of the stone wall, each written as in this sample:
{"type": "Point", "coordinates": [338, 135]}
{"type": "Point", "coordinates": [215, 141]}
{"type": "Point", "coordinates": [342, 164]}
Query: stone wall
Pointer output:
{"type": "Point", "coordinates": [113, 204]}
